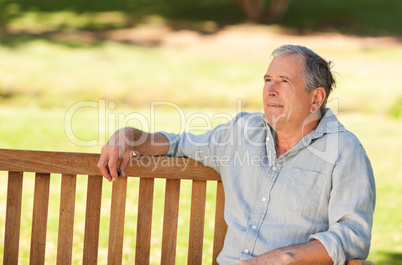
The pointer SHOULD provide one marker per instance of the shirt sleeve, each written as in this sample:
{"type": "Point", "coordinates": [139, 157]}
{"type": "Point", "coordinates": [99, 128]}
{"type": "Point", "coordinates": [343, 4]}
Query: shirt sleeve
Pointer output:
{"type": "Point", "coordinates": [207, 148]}
{"type": "Point", "coordinates": [351, 207]}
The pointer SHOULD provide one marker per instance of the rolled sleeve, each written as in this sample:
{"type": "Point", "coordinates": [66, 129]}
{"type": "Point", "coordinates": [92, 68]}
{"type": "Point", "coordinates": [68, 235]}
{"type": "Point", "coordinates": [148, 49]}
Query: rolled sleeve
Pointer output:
{"type": "Point", "coordinates": [351, 207]}
{"type": "Point", "coordinates": [173, 142]}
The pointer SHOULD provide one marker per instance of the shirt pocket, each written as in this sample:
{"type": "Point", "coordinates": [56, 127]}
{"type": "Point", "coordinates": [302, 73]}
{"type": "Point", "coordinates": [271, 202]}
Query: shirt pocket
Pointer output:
{"type": "Point", "coordinates": [301, 189]}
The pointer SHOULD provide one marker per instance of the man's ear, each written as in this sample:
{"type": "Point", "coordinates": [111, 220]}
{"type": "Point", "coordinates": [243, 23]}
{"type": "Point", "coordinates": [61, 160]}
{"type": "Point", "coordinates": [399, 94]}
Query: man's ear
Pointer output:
{"type": "Point", "coordinates": [319, 95]}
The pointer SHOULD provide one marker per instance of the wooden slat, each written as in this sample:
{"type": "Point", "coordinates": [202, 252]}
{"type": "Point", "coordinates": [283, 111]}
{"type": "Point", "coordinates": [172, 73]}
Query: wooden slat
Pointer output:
{"type": "Point", "coordinates": [116, 227]}
{"type": "Point", "coordinates": [39, 218]}
{"type": "Point", "coordinates": [144, 222]}
{"type": "Point", "coordinates": [196, 235]}
{"type": "Point", "coordinates": [220, 224]}
{"type": "Point", "coordinates": [66, 219]}
{"type": "Point", "coordinates": [86, 164]}
{"type": "Point", "coordinates": [170, 219]}
{"type": "Point", "coordinates": [92, 220]}
{"type": "Point", "coordinates": [13, 218]}
{"type": "Point", "coordinates": [44, 161]}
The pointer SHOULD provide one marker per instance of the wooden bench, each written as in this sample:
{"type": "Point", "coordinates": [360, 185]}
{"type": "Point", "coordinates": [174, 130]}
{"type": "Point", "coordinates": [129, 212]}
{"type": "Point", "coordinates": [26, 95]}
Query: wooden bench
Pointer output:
{"type": "Point", "coordinates": [71, 165]}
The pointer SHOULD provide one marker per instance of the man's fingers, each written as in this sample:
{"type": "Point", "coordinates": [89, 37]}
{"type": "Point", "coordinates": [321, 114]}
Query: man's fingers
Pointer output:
{"type": "Point", "coordinates": [117, 147]}
{"type": "Point", "coordinates": [108, 162]}
{"type": "Point", "coordinates": [124, 162]}
{"type": "Point", "coordinates": [103, 168]}
{"type": "Point", "coordinates": [112, 165]}
{"type": "Point", "coordinates": [114, 156]}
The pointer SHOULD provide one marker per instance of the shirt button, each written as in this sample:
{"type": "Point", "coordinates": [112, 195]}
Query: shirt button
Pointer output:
{"type": "Point", "coordinates": [274, 168]}
{"type": "Point", "coordinates": [267, 139]}
{"type": "Point", "coordinates": [246, 251]}
{"type": "Point", "coordinates": [254, 227]}
{"type": "Point", "coordinates": [264, 199]}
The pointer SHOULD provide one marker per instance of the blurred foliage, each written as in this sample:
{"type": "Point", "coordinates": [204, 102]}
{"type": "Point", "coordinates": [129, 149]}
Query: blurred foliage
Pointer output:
{"type": "Point", "coordinates": [363, 17]}
{"type": "Point", "coordinates": [187, 10]}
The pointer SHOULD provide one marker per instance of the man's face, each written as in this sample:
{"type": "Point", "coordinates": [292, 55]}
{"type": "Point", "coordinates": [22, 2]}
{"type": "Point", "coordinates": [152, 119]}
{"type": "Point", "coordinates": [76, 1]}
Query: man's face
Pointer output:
{"type": "Point", "coordinates": [286, 104]}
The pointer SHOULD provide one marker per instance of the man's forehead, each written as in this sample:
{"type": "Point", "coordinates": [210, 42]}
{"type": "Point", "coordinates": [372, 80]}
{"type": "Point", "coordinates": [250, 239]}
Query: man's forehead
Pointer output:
{"type": "Point", "coordinates": [288, 64]}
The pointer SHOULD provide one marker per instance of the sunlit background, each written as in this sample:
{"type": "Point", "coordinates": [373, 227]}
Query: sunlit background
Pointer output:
{"type": "Point", "coordinates": [72, 72]}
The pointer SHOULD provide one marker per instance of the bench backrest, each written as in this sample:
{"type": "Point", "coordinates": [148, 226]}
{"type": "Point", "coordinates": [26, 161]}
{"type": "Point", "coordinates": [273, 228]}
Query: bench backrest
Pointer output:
{"type": "Point", "coordinates": [71, 165]}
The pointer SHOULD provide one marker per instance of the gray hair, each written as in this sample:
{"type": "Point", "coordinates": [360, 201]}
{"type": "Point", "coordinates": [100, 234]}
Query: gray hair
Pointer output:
{"type": "Point", "coordinates": [316, 71]}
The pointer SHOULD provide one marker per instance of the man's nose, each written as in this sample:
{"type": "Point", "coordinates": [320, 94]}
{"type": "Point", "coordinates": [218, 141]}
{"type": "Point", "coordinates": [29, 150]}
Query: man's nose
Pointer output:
{"type": "Point", "coordinates": [271, 89]}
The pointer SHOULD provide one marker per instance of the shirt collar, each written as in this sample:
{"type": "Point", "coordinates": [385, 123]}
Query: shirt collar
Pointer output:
{"type": "Point", "coordinates": [328, 124]}
{"type": "Point", "coordinates": [266, 125]}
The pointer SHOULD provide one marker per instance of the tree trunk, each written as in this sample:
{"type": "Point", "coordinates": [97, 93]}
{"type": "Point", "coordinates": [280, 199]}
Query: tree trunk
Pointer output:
{"type": "Point", "coordinates": [276, 11]}
{"type": "Point", "coordinates": [255, 10]}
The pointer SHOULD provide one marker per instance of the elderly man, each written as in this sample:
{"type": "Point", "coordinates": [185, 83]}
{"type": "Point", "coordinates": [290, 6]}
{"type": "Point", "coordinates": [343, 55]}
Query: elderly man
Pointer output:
{"type": "Point", "coordinates": [299, 187]}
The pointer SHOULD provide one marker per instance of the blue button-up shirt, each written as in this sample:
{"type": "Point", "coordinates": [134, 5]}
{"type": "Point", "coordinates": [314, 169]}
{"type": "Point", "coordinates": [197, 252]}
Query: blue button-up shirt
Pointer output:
{"type": "Point", "coordinates": [322, 188]}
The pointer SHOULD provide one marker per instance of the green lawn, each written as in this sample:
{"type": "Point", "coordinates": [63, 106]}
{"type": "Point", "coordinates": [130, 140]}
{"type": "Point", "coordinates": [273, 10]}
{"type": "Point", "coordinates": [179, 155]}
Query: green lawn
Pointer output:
{"type": "Point", "coordinates": [135, 76]}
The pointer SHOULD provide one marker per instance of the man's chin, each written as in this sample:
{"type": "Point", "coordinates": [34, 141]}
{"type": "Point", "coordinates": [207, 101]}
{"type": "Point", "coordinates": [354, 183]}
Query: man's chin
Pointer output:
{"type": "Point", "coordinates": [274, 118]}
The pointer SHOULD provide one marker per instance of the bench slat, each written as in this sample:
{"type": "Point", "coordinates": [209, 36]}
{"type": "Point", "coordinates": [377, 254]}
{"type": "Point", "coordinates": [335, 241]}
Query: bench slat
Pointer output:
{"type": "Point", "coordinates": [39, 218]}
{"type": "Point", "coordinates": [220, 224]}
{"type": "Point", "coordinates": [66, 219]}
{"type": "Point", "coordinates": [144, 222]}
{"type": "Point", "coordinates": [196, 234]}
{"type": "Point", "coordinates": [13, 218]}
{"type": "Point", "coordinates": [86, 164]}
{"type": "Point", "coordinates": [49, 162]}
{"type": "Point", "coordinates": [170, 220]}
{"type": "Point", "coordinates": [92, 220]}
{"type": "Point", "coordinates": [116, 227]}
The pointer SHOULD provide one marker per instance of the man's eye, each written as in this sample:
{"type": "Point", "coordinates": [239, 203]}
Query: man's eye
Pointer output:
{"type": "Point", "coordinates": [267, 80]}
{"type": "Point", "coordinates": [285, 81]}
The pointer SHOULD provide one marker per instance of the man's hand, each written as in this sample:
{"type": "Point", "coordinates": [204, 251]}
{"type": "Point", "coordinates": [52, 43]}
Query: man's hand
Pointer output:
{"type": "Point", "coordinates": [123, 144]}
{"type": "Point", "coordinates": [271, 258]}
{"type": "Point", "coordinates": [120, 145]}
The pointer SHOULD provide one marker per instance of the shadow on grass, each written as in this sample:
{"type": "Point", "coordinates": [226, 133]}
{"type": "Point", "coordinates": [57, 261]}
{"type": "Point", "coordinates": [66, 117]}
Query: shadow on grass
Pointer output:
{"type": "Point", "coordinates": [16, 40]}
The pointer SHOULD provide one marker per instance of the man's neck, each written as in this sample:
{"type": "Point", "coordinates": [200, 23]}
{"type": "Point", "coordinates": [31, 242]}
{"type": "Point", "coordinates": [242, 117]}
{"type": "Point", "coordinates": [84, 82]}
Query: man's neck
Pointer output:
{"type": "Point", "coordinates": [287, 137]}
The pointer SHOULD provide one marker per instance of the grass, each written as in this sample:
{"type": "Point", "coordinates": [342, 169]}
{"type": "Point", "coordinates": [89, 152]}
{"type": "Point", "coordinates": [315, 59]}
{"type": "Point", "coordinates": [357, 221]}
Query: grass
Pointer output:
{"type": "Point", "coordinates": [125, 74]}
{"type": "Point", "coordinates": [396, 109]}
{"type": "Point", "coordinates": [135, 76]}
{"type": "Point", "coordinates": [42, 82]}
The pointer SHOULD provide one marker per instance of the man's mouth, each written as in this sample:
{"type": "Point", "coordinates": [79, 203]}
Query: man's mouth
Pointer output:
{"type": "Point", "coordinates": [275, 105]}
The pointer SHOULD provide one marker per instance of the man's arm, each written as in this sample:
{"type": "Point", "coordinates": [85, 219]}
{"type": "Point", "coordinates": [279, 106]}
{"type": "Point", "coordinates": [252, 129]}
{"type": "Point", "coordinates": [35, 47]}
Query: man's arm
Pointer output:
{"type": "Point", "coordinates": [123, 143]}
{"type": "Point", "coordinates": [312, 252]}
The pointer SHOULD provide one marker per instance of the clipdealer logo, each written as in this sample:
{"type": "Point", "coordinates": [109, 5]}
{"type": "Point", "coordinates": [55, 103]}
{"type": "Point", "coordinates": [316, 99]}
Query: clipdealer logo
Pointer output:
{"type": "Point", "coordinates": [108, 121]}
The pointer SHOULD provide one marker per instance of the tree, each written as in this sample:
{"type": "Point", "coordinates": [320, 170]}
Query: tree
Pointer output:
{"type": "Point", "coordinates": [256, 10]}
